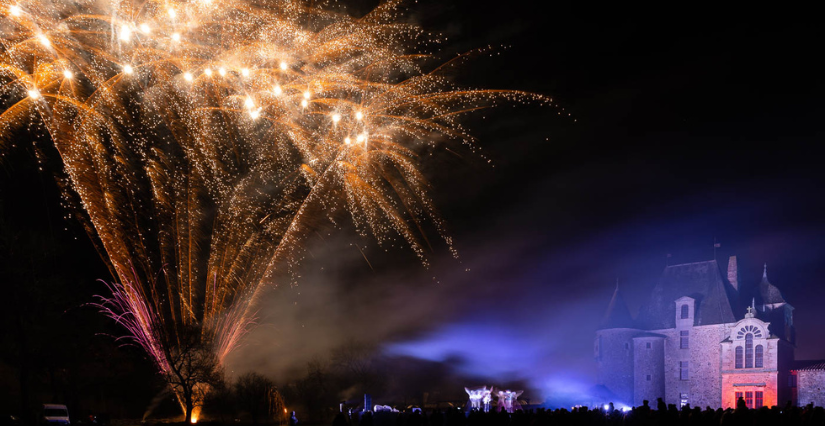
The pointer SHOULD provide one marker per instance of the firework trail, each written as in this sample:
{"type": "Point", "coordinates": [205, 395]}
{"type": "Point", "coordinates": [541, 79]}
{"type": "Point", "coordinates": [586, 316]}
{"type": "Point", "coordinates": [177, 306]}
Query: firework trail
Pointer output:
{"type": "Point", "coordinates": [206, 139]}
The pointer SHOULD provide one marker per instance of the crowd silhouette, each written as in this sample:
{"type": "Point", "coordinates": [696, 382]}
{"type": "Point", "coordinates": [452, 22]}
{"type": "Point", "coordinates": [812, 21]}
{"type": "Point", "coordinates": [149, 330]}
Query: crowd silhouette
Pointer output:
{"type": "Point", "coordinates": [643, 415]}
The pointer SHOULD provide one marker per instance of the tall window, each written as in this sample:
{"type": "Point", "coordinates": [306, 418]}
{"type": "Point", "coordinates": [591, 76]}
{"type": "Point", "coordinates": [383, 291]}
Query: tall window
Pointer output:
{"type": "Point", "coordinates": [739, 357]}
{"type": "Point", "coordinates": [647, 345]}
{"type": "Point", "coordinates": [749, 350]}
{"type": "Point", "coordinates": [739, 395]}
{"type": "Point", "coordinates": [684, 335]}
{"type": "Point", "coordinates": [749, 399]}
{"type": "Point", "coordinates": [683, 400]}
{"type": "Point", "coordinates": [683, 370]}
{"type": "Point", "coordinates": [759, 361]}
{"type": "Point", "coordinates": [758, 399]}
{"type": "Point", "coordinates": [685, 311]}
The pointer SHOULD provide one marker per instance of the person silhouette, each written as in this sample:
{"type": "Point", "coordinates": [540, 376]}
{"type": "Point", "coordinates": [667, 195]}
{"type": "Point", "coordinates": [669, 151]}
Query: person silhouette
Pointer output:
{"type": "Point", "coordinates": [339, 420]}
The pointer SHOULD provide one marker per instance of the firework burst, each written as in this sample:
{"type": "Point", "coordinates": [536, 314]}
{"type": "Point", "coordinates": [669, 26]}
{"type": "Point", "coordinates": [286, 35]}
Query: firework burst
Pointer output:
{"type": "Point", "coordinates": [206, 139]}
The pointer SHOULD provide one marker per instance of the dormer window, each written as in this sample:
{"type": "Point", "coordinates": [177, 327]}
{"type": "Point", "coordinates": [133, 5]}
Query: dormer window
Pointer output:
{"type": "Point", "coordinates": [684, 310]}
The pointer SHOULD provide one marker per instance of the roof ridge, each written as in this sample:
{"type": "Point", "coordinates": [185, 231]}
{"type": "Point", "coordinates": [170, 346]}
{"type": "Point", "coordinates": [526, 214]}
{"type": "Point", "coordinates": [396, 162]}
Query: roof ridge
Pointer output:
{"type": "Point", "coordinates": [692, 263]}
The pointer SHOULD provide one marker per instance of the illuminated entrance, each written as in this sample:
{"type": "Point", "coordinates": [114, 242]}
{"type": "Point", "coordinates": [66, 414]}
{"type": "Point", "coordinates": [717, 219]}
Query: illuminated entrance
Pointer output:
{"type": "Point", "coordinates": [753, 399]}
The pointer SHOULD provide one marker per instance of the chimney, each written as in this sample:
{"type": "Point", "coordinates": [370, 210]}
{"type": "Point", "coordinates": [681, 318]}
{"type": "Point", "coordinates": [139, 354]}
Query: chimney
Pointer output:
{"type": "Point", "coordinates": [733, 273]}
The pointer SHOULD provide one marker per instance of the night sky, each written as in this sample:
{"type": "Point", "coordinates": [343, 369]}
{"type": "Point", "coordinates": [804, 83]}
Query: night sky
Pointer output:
{"type": "Point", "coordinates": [684, 125]}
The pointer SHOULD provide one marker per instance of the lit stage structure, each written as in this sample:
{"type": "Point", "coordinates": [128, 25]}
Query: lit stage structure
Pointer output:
{"type": "Point", "coordinates": [480, 398]}
{"type": "Point", "coordinates": [508, 400]}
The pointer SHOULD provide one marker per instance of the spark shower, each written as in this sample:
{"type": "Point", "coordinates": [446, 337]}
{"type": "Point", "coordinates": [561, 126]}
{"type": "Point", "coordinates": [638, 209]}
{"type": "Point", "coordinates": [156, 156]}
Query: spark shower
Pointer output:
{"type": "Point", "coordinates": [201, 142]}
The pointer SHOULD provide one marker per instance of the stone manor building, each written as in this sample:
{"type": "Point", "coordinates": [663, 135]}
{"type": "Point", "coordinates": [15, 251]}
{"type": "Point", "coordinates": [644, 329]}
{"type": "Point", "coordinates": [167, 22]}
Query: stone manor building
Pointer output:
{"type": "Point", "coordinates": [704, 339]}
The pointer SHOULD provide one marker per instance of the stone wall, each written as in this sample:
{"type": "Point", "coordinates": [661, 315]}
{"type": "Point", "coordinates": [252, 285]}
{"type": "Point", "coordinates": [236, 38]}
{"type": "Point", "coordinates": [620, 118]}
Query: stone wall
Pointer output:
{"type": "Point", "coordinates": [614, 361]}
{"type": "Point", "coordinates": [811, 387]}
{"type": "Point", "coordinates": [649, 369]}
{"type": "Point", "coordinates": [624, 363]}
{"type": "Point", "coordinates": [704, 384]}
{"type": "Point", "coordinates": [705, 361]}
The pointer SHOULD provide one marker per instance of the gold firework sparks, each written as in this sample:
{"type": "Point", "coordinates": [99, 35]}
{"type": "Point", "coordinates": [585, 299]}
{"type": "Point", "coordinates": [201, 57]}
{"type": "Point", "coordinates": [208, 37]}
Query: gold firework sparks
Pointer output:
{"type": "Point", "coordinates": [208, 138]}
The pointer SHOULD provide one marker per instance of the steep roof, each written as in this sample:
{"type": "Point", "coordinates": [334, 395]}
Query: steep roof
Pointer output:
{"type": "Point", "coordinates": [770, 294]}
{"type": "Point", "coordinates": [809, 365]}
{"type": "Point", "coordinates": [701, 281]}
{"type": "Point", "coordinates": [617, 314]}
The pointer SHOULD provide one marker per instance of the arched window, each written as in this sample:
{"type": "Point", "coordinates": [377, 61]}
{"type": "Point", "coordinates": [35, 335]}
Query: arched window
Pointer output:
{"type": "Point", "coordinates": [759, 362]}
{"type": "Point", "coordinates": [738, 357]}
{"type": "Point", "coordinates": [749, 329]}
{"type": "Point", "coordinates": [685, 311]}
{"type": "Point", "coordinates": [749, 350]}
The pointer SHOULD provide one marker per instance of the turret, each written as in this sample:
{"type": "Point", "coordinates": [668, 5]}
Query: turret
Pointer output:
{"type": "Point", "coordinates": [775, 309]}
{"type": "Point", "coordinates": [617, 315]}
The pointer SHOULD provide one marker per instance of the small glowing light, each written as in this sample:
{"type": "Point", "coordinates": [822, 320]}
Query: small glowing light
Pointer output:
{"type": "Point", "coordinates": [361, 138]}
{"type": "Point", "coordinates": [277, 90]}
{"type": "Point", "coordinates": [249, 103]}
{"type": "Point", "coordinates": [284, 65]}
{"type": "Point", "coordinates": [359, 115]}
{"type": "Point", "coordinates": [125, 33]}
{"type": "Point", "coordinates": [336, 118]}
{"type": "Point", "coordinates": [347, 140]}
{"type": "Point", "coordinates": [187, 76]}
{"type": "Point", "coordinates": [127, 69]}
{"type": "Point", "coordinates": [15, 10]}
{"type": "Point", "coordinates": [145, 29]}
{"type": "Point", "coordinates": [44, 40]}
{"type": "Point", "coordinates": [306, 95]}
{"type": "Point", "coordinates": [245, 72]}
{"type": "Point", "coordinates": [606, 406]}
{"type": "Point", "coordinates": [172, 13]}
{"type": "Point", "coordinates": [207, 71]}
{"type": "Point", "coordinates": [68, 74]}
{"type": "Point", "coordinates": [304, 103]}
{"type": "Point", "coordinates": [176, 37]}
{"type": "Point", "coordinates": [255, 113]}
{"type": "Point", "coordinates": [33, 93]}
{"type": "Point", "coordinates": [222, 71]}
